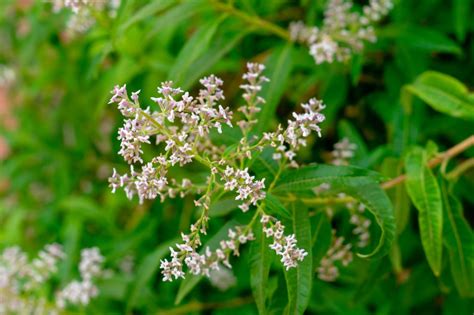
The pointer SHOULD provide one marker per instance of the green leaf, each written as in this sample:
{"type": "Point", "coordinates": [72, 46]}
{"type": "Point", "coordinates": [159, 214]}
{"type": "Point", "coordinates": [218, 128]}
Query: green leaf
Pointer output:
{"type": "Point", "coordinates": [425, 194]}
{"type": "Point", "coordinates": [300, 279]}
{"type": "Point", "coordinates": [260, 261]}
{"type": "Point", "coordinates": [218, 49]}
{"type": "Point", "coordinates": [356, 182]}
{"type": "Point", "coordinates": [462, 11]}
{"type": "Point", "coordinates": [307, 177]}
{"type": "Point", "coordinates": [275, 208]}
{"type": "Point", "coordinates": [356, 68]}
{"type": "Point", "coordinates": [347, 130]}
{"type": "Point", "coordinates": [279, 68]}
{"type": "Point", "coordinates": [72, 234]}
{"type": "Point", "coordinates": [84, 207]}
{"type": "Point", "coordinates": [395, 256]}
{"type": "Point", "coordinates": [223, 207]}
{"type": "Point", "coordinates": [174, 16]}
{"type": "Point", "coordinates": [152, 8]}
{"type": "Point", "coordinates": [195, 47]}
{"type": "Point", "coordinates": [322, 236]}
{"type": "Point", "coordinates": [145, 271]}
{"type": "Point", "coordinates": [426, 39]}
{"type": "Point", "coordinates": [392, 167]}
{"type": "Point", "coordinates": [264, 165]}
{"type": "Point", "coordinates": [444, 94]}
{"type": "Point", "coordinates": [459, 240]}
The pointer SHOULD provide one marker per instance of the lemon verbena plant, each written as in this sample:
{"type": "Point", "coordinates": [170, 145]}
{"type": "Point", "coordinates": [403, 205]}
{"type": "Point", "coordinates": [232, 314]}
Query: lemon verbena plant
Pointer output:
{"type": "Point", "coordinates": [181, 128]}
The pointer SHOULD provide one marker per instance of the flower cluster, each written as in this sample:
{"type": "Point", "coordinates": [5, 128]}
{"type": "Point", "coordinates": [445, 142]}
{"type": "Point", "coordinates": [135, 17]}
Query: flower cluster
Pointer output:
{"type": "Point", "coordinates": [18, 275]}
{"type": "Point", "coordinates": [283, 245]}
{"type": "Point", "coordinates": [287, 141]}
{"type": "Point", "coordinates": [343, 152]}
{"type": "Point", "coordinates": [42, 267]}
{"type": "Point", "coordinates": [254, 80]}
{"type": "Point", "coordinates": [182, 126]}
{"type": "Point", "coordinates": [327, 270]}
{"type": "Point", "coordinates": [203, 263]}
{"type": "Point", "coordinates": [342, 32]}
{"type": "Point", "coordinates": [22, 281]}
{"type": "Point", "coordinates": [81, 292]}
{"type": "Point", "coordinates": [82, 18]}
{"type": "Point", "coordinates": [222, 278]}
{"type": "Point", "coordinates": [361, 224]}
{"type": "Point", "coordinates": [248, 188]}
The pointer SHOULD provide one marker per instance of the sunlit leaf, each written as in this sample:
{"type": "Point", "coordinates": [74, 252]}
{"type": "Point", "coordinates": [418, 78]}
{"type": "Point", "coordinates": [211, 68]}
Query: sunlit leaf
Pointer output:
{"type": "Point", "coordinates": [195, 47]}
{"type": "Point", "coordinates": [299, 280]}
{"type": "Point", "coordinates": [459, 240]}
{"type": "Point", "coordinates": [260, 261]}
{"type": "Point", "coordinates": [355, 182]}
{"type": "Point", "coordinates": [444, 93]}
{"type": "Point", "coordinates": [425, 194]}
{"type": "Point", "coordinates": [278, 71]}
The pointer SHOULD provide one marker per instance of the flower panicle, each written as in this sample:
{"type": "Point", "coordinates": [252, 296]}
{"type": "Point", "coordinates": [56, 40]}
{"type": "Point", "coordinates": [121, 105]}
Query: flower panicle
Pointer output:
{"type": "Point", "coordinates": [182, 125]}
{"type": "Point", "coordinates": [343, 32]}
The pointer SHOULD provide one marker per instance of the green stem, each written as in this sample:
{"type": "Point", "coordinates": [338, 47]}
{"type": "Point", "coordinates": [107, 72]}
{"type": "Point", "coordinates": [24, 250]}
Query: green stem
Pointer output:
{"type": "Point", "coordinates": [460, 169]}
{"type": "Point", "coordinates": [254, 20]}
{"type": "Point", "coordinates": [315, 201]}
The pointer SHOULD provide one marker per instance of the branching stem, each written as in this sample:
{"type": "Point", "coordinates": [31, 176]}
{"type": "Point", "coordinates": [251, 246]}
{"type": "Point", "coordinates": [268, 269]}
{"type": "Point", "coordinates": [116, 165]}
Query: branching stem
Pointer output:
{"type": "Point", "coordinates": [457, 149]}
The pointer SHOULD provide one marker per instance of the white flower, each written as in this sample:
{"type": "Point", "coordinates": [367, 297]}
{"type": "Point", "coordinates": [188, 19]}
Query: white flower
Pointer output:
{"type": "Point", "coordinates": [222, 278]}
{"type": "Point", "coordinates": [202, 263]}
{"type": "Point", "coordinates": [91, 261]}
{"type": "Point", "coordinates": [284, 246]}
{"type": "Point", "coordinates": [82, 292]}
{"type": "Point", "coordinates": [342, 32]}
{"type": "Point", "coordinates": [327, 270]}
{"type": "Point", "coordinates": [343, 152]}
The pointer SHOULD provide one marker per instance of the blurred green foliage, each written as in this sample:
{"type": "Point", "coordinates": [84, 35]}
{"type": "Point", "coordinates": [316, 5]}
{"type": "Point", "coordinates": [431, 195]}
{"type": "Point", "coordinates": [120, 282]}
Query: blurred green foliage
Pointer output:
{"type": "Point", "coordinates": [63, 148]}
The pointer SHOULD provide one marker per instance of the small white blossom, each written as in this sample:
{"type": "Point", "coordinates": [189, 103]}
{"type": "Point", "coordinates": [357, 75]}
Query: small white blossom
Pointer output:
{"type": "Point", "coordinates": [23, 281]}
{"type": "Point", "coordinates": [181, 125]}
{"type": "Point", "coordinates": [342, 32]}
{"type": "Point", "coordinates": [338, 252]}
{"type": "Point", "coordinates": [343, 152]}
{"type": "Point", "coordinates": [283, 245]}
{"type": "Point", "coordinates": [222, 278]}
{"type": "Point", "coordinates": [206, 262]}
{"type": "Point", "coordinates": [83, 291]}
{"type": "Point", "coordinates": [83, 18]}
{"type": "Point", "coordinates": [249, 190]}
{"type": "Point", "coordinates": [361, 224]}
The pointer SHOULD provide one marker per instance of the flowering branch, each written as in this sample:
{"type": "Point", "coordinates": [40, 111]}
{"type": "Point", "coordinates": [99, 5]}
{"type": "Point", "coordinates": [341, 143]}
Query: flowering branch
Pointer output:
{"type": "Point", "coordinates": [181, 128]}
{"type": "Point", "coordinates": [342, 32]}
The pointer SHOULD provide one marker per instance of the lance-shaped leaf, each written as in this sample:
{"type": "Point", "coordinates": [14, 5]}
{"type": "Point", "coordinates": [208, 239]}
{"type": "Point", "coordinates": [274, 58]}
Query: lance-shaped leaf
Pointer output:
{"type": "Point", "coordinates": [147, 11]}
{"type": "Point", "coordinates": [260, 261]}
{"type": "Point", "coordinates": [425, 194]}
{"type": "Point", "coordinates": [322, 237]}
{"type": "Point", "coordinates": [300, 278]}
{"type": "Point", "coordinates": [194, 48]}
{"type": "Point", "coordinates": [459, 240]}
{"type": "Point", "coordinates": [362, 185]}
{"type": "Point", "coordinates": [146, 270]}
{"type": "Point", "coordinates": [444, 94]}
{"type": "Point", "coordinates": [279, 69]}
